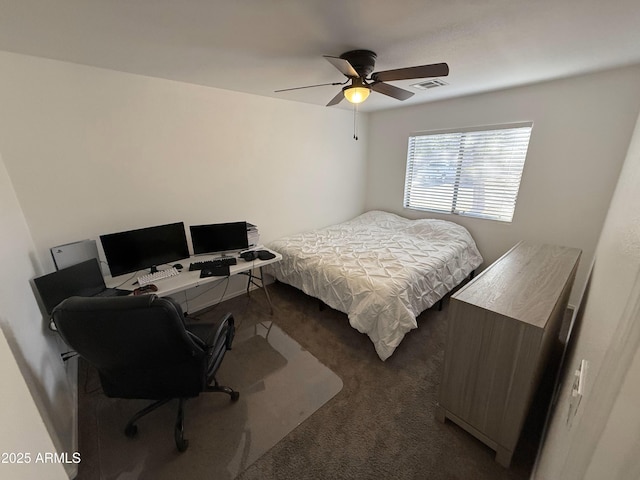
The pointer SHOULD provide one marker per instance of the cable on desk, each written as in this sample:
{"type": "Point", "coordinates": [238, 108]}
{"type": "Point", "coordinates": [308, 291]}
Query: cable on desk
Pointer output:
{"type": "Point", "coordinates": [127, 280]}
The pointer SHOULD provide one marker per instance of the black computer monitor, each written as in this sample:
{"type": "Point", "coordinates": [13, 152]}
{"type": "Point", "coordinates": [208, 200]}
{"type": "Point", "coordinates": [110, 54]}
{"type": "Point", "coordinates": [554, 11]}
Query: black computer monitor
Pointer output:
{"type": "Point", "coordinates": [135, 250]}
{"type": "Point", "coordinates": [83, 279]}
{"type": "Point", "coordinates": [219, 237]}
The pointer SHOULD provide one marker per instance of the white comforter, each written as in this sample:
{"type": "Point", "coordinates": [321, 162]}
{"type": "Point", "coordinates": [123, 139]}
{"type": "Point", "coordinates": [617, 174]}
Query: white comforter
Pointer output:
{"type": "Point", "coordinates": [380, 269]}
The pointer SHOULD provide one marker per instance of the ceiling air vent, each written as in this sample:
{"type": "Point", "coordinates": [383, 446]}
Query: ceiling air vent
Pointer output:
{"type": "Point", "coordinates": [433, 83]}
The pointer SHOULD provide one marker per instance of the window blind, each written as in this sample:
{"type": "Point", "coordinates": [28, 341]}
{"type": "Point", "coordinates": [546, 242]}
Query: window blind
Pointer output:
{"type": "Point", "coordinates": [475, 172]}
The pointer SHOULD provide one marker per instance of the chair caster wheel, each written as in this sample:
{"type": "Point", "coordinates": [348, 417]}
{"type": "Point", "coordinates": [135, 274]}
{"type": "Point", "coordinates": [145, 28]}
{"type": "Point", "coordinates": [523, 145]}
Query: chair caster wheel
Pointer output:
{"type": "Point", "coordinates": [182, 444]}
{"type": "Point", "coordinates": [235, 396]}
{"type": "Point", "coordinates": [131, 431]}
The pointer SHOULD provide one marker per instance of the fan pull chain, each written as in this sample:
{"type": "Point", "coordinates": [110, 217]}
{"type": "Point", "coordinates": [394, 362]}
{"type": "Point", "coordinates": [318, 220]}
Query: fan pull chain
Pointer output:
{"type": "Point", "coordinates": [355, 122]}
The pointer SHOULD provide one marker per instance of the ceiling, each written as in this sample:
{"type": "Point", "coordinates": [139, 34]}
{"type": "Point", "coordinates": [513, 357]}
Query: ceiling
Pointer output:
{"type": "Point", "coordinates": [258, 46]}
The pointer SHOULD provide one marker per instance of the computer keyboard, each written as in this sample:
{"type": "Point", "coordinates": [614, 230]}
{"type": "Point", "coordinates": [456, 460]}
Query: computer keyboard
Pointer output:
{"type": "Point", "coordinates": [159, 275]}
{"type": "Point", "coordinates": [212, 264]}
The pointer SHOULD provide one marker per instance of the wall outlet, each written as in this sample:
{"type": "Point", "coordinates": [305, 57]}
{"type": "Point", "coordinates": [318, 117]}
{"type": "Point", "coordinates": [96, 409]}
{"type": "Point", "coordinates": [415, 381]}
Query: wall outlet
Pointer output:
{"type": "Point", "coordinates": [577, 390]}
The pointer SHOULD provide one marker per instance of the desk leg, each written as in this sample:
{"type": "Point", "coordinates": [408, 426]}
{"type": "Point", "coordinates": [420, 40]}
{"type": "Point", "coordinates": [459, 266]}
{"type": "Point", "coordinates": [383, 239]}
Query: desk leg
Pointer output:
{"type": "Point", "coordinates": [252, 280]}
{"type": "Point", "coordinates": [266, 292]}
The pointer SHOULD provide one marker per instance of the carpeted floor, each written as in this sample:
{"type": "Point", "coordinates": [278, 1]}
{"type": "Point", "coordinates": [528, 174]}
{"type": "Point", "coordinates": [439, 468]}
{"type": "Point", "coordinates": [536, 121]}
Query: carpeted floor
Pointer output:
{"type": "Point", "coordinates": [382, 423]}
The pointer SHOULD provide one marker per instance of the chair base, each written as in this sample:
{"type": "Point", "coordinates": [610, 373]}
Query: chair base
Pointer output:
{"type": "Point", "coordinates": [131, 429]}
{"type": "Point", "coordinates": [221, 388]}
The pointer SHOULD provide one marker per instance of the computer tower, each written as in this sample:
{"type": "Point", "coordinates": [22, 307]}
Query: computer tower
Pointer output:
{"type": "Point", "coordinates": [74, 253]}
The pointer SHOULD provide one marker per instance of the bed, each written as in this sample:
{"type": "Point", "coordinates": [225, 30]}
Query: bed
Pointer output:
{"type": "Point", "coordinates": [381, 269]}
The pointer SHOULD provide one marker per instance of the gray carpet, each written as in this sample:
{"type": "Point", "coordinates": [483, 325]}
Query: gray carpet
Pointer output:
{"type": "Point", "coordinates": [382, 423]}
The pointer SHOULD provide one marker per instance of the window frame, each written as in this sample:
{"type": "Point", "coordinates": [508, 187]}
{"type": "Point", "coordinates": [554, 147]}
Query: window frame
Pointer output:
{"type": "Point", "coordinates": [503, 191]}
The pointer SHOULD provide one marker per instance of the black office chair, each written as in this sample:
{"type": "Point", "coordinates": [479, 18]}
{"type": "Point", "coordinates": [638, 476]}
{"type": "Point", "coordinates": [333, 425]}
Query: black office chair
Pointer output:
{"type": "Point", "coordinates": [142, 349]}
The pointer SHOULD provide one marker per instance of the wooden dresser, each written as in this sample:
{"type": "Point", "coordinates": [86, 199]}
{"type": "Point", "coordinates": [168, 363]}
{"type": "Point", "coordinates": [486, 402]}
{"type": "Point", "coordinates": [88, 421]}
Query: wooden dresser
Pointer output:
{"type": "Point", "coordinates": [501, 328]}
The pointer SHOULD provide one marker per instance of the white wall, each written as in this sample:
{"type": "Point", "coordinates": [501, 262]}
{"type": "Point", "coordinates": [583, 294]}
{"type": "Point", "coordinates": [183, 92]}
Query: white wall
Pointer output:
{"type": "Point", "coordinates": [582, 127]}
{"type": "Point", "coordinates": [94, 151]}
{"type": "Point", "coordinates": [33, 349]}
{"type": "Point", "coordinates": [602, 439]}
{"type": "Point", "coordinates": [25, 434]}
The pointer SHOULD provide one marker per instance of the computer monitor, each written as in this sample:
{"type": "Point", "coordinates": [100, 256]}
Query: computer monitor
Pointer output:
{"type": "Point", "coordinates": [83, 279]}
{"type": "Point", "coordinates": [135, 250]}
{"type": "Point", "coordinates": [219, 237]}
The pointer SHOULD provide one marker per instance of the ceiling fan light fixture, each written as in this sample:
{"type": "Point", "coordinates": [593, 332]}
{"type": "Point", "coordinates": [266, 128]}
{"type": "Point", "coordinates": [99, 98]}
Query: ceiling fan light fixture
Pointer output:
{"type": "Point", "coordinates": [357, 94]}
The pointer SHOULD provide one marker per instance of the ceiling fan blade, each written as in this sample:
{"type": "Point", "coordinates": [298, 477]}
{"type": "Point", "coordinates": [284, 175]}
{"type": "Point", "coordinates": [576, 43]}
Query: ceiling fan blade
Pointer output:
{"type": "Point", "coordinates": [309, 86]}
{"type": "Point", "coordinates": [390, 90]}
{"type": "Point", "coordinates": [423, 71]}
{"type": "Point", "coordinates": [343, 65]}
{"type": "Point", "coordinates": [337, 99]}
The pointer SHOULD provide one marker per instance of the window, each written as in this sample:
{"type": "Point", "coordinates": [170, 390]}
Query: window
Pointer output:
{"type": "Point", "coordinates": [475, 172]}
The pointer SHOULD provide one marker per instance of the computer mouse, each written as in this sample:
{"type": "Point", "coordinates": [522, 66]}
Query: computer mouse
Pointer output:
{"type": "Point", "coordinates": [178, 266]}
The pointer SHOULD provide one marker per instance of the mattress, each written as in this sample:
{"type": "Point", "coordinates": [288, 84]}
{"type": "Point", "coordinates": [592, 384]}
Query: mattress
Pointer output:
{"type": "Point", "coordinates": [381, 269]}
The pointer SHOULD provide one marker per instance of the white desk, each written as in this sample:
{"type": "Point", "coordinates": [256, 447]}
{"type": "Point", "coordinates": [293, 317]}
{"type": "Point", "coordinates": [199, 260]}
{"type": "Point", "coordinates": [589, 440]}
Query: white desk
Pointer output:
{"type": "Point", "coordinates": [190, 279]}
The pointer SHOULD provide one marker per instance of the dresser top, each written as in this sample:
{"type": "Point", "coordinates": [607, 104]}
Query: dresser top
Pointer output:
{"type": "Point", "coordinates": [525, 283]}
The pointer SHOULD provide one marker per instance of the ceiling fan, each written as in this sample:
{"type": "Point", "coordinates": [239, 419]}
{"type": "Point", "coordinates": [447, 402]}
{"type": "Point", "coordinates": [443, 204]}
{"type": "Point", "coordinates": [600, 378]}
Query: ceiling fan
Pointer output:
{"type": "Point", "coordinates": [357, 66]}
